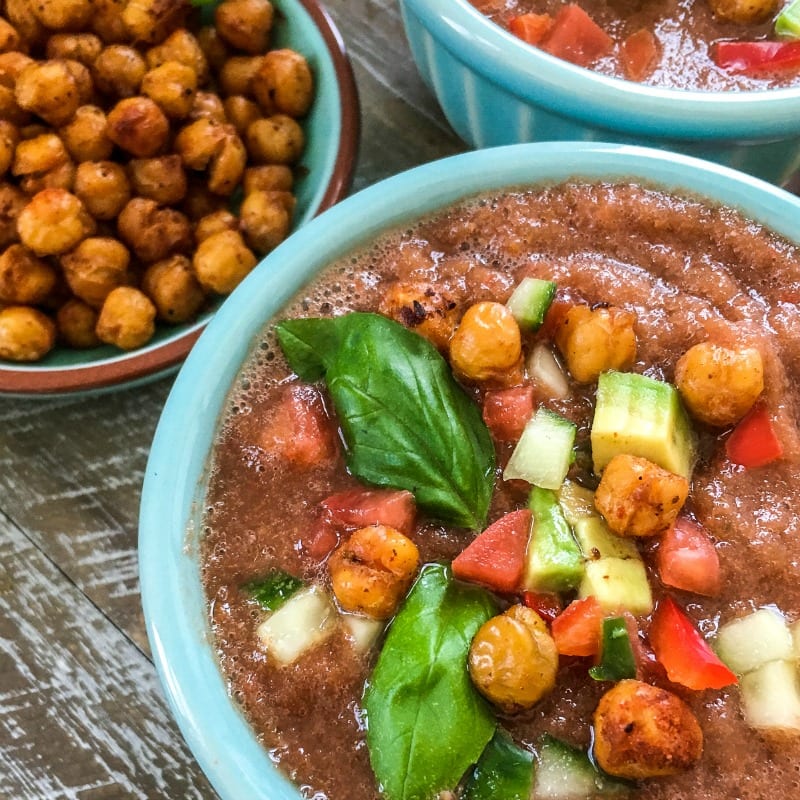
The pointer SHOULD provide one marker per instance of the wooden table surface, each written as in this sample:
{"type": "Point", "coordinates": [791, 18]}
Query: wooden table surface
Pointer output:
{"type": "Point", "coordinates": [82, 716]}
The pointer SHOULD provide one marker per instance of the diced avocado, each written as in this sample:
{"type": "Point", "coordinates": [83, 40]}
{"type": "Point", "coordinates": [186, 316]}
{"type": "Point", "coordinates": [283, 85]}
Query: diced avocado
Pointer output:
{"type": "Point", "coordinates": [564, 772]}
{"type": "Point", "coordinates": [529, 302]}
{"type": "Point", "coordinates": [545, 372]}
{"type": "Point", "coordinates": [362, 632]}
{"type": "Point", "coordinates": [617, 661]}
{"type": "Point", "coordinates": [771, 696]}
{"type": "Point", "coordinates": [642, 417]}
{"type": "Point", "coordinates": [618, 584]}
{"type": "Point", "coordinates": [272, 591]}
{"type": "Point", "coordinates": [503, 772]}
{"type": "Point", "coordinates": [598, 541]}
{"type": "Point", "coordinates": [553, 561]}
{"type": "Point", "coordinates": [544, 452]}
{"type": "Point", "coordinates": [576, 502]}
{"type": "Point", "coordinates": [750, 642]}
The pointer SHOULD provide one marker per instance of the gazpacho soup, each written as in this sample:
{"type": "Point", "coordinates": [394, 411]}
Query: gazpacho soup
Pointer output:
{"type": "Point", "coordinates": [504, 507]}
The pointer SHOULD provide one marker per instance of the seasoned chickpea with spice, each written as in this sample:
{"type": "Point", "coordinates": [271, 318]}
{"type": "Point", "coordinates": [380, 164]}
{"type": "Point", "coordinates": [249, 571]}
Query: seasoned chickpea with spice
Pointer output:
{"type": "Point", "coordinates": [198, 142]}
{"type": "Point", "coordinates": [81, 47]}
{"type": "Point", "coordinates": [245, 24]}
{"type": "Point", "coordinates": [103, 187]}
{"type": "Point", "coordinates": [12, 201]}
{"type": "Point", "coordinates": [422, 308]}
{"type": "Point", "coordinates": [241, 112]}
{"type": "Point", "coordinates": [238, 75]}
{"type": "Point", "coordinates": [10, 110]}
{"type": "Point", "coordinates": [20, 14]}
{"type": "Point", "coordinates": [275, 140]}
{"type": "Point", "coordinates": [266, 218]}
{"type": "Point", "coordinates": [744, 12]}
{"type": "Point", "coordinates": [60, 177]}
{"type": "Point", "coordinates": [119, 70]}
{"type": "Point", "coordinates": [9, 138]}
{"type": "Point", "coordinates": [86, 135]}
{"type": "Point", "coordinates": [63, 14]}
{"type": "Point", "coordinates": [127, 319]}
{"type": "Point", "coordinates": [10, 40]}
{"type": "Point", "coordinates": [174, 289]}
{"type": "Point", "coordinates": [208, 105]}
{"type": "Point", "coordinates": [26, 334]}
{"type": "Point", "coordinates": [162, 179]}
{"type": "Point", "coordinates": [24, 278]}
{"type": "Point", "coordinates": [96, 267]}
{"type": "Point", "coordinates": [83, 81]}
{"type": "Point", "coordinates": [222, 220]}
{"type": "Point", "coordinates": [372, 571]}
{"type": "Point", "coordinates": [183, 47]}
{"type": "Point", "coordinates": [107, 22]}
{"type": "Point", "coordinates": [213, 47]}
{"type": "Point", "coordinates": [76, 321]}
{"type": "Point", "coordinates": [269, 177]}
{"type": "Point", "coordinates": [227, 165]}
{"type": "Point", "coordinates": [222, 261]}
{"type": "Point", "coordinates": [11, 65]}
{"type": "Point", "coordinates": [153, 233]}
{"type": "Point", "coordinates": [172, 86]}
{"type": "Point", "coordinates": [138, 126]}
{"type": "Point", "coordinates": [40, 154]}
{"type": "Point", "coordinates": [53, 222]}
{"type": "Point", "coordinates": [48, 89]}
{"type": "Point", "coordinates": [151, 21]}
{"type": "Point", "coordinates": [284, 83]}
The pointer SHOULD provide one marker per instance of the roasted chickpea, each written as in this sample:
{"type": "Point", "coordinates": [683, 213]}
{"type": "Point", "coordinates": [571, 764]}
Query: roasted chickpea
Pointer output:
{"type": "Point", "coordinates": [174, 288]}
{"type": "Point", "coordinates": [373, 570]}
{"type": "Point", "coordinates": [24, 279]}
{"type": "Point", "coordinates": [240, 112]}
{"type": "Point", "coordinates": [127, 319]}
{"type": "Point", "coordinates": [265, 219]}
{"type": "Point", "coordinates": [487, 345]}
{"type": "Point", "coordinates": [719, 384]}
{"type": "Point", "coordinates": [12, 201]}
{"type": "Point", "coordinates": [154, 233]}
{"type": "Point", "coordinates": [83, 81]}
{"type": "Point", "coordinates": [76, 322]}
{"type": "Point", "coordinates": [245, 24]}
{"type": "Point", "coordinates": [47, 88]}
{"type": "Point", "coordinates": [9, 138]}
{"type": "Point", "coordinates": [423, 308]}
{"type": "Point", "coordinates": [107, 21]}
{"type": "Point", "coordinates": [226, 167]}
{"type": "Point", "coordinates": [96, 267]}
{"type": "Point", "coordinates": [639, 498]}
{"type": "Point", "coordinates": [10, 110]}
{"type": "Point", "coordinates": [269, 177]}
{"type": "Point", "coordinates": [81, 47]}
{"type": "Point", "coordinates": [62, 15]}
{"type": "Point", "coordinates": [53, 222]}
{"type": "Point", "coordinates": [214, 49]}
{"type": "Point", "coordinates": [238, 74]}
{"type": "Point", "coordinates": [513, 659]}
{"type": "Point", "coordinates": [198, 142]}
{"type": "Point", "coordinates": [284, 83]}
{"type": "Point", "coordinates": [183, 47]}
{"type": "Point", "coordinates": [39, 154]}
{"type": "Point", "coordinates": [595, 340]}
{"type": "Point", "coordinates": [20, 14]}
{"type": "Point", "coordinates": [103, 187]}
{"type": "Point", "coordinates": [215, 222]}
{"type": "Point", "coordinates": [60, 177]}
{"type": "Point", "coordinates": [222, 261]}
{"type": "Point", "coordinates": [161, 179]}
{"type": "Point", "coordinates": [25, 334]}
{"type": "Point", "coordinates": [641, 731]}
{"type": "Point", "coordinates": [138, 126]}
{"type": "Point", "coordinates": [150, 21]}
{"type": "Point", "coordinates": [744, 12]}
{"type": "Point", "coordinates": [86, 136]}
{"type": "Point", "coordinates": [119, 70]}
{"type": "Point", "coordinates": [172, 86]}
{"type": "Point", "coordinates": [275, 140]}
{"type": "Point", "coordinates": [11, 64]}
{"type": "Point", "coordinates": [199, 201]}
{"type": "Point", "coordinates": [10, 40]}
{"type": "Point", "coordinates": [207, 105]}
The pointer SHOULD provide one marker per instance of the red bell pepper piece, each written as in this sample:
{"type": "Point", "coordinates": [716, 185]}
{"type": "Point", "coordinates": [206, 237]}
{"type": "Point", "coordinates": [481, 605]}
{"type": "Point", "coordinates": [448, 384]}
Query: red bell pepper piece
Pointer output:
{"type": "Point", "coordinates": [638, 53]}
{"type": "Point", "coordinates": [546, 604]}
{"type": "Point", "coordinates": [357, 508]}
{"type": "Point", "coordinates": [687, 559]}
{"type": "Point", "coordinates": [754, 442]}
{"type": "Point", "coordinates": [576, 37]}
{"type": "Point", "coordinates": [531, 28]}
{"type": "Point", "coordinates": [506, 411]}
{"type": "Point", "coordinates": [496, 557]}
{"type": "Point", "coordinates": [577, 629]}
{"type": "Point", "coordinates": [683, 652]}
{"type": "Point", "coordinates": [757, 56]}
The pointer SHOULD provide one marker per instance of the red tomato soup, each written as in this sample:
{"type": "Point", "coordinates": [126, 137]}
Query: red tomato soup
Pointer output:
{"type": "Point", "coordinates": [504, 506]}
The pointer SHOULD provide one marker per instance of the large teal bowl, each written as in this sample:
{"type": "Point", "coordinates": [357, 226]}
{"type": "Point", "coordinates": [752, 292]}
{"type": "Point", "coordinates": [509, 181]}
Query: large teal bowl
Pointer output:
{"type": "Point", "coordinates": [172, 501]}
{"type": "Point", "coordinates": [328, 163]}
{"type": "Point", "coordinates": [494, 89]}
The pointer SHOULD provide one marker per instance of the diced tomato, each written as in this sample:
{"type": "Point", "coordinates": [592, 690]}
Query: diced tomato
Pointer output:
{"type": "Point", "coordinates": [638, 53]}
{"type": "Point", "coordinates": [687, 559]}
{"type": "Point", "coordinates": [683, 652]}
{"type": "Point", "coordinates": [754, 442]}
{"type": "Point", "coordinates": [357, 508]}
{"type": "Point", "coordinates": [757, 56]}
{"type": "Point", "coordinates": [531, 28]}
{"type": "Point", "coordinates": [506, 411]}
{"type": "Point", "coordinates": [546, 604]}
{"type": "Point", "coordinates": [322, 540]}
{"type": "Point", "coordinates": [554, 317]}
{"type": "Point", "coordinates": [577, 629]}
{"type": "Point", "coordinates": [576, 37]}
{"type": "Point", "coordinates": [496, 557]}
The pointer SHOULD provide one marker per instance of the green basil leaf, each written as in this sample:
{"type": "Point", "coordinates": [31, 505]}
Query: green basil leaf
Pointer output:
{"type": "Point", "coordinates": [504, 772]}
{"type": "Point", "coordinates": [426, 722]}
{"type": "Point", "coordinates": [406, 422]}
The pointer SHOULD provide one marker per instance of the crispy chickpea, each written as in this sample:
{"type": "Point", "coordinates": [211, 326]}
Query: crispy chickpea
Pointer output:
{"type": "Point", "coordinates": [240, 112]}
{"type": "Point", "coordinates": [26, 334]}
{"type": "Point", "coordinates": [62, 15]}
{"type": "Point", "coordinates": [103, 187]}
{"type": "Point", "coordinates": [372, 571]}
{"type": "Point", "coordinates": [269, 178]}
{"type": "Point", "coordinates": [198, 142]}
{"type": "Point", "coordinates": [83, 81]}
{"type": "Point", "coordinates": [172, 86]}
{"type": "Point", "coordinates": [245, 24]}
{"type": "Point", "coordinates": [423, 308]}
{"type": "Point", "coordinates": [215, 222]}
{"type": "Point", "coordinates": [183, 47]}
{"type": "Point", "coordinates": [199, 201]}
{"type": "Point", "coordinates": [119, 70]}
{"type": "Point", "coordinates": [127, 319]}
{"type": "Point", "coordinates": [487, 345]}
{"type": "Point", "coordinates": [10, 110]}
{"type": "Point", "coordinates": [138, 126]}
{"type": "Point", "coordinates": [719, 384]}
{"type": "Point", "coordinates": [226, 167]}
{"type": "Point", "coordinates": [86, 136]}
{"type": "Point", "coordinates": [222, 261]}
{"type": "Point", "coordinates": [107, 21]}
{"type": "Point", "coordinates": [595, 340]}
{"type": "Point", "coordinates": [24, 279]}
{"type": "Point", "coordinates": [154, 233]}
{"type": "Point", "coordinates": [150, 21]}
{"type": "Point", "coordinates": [639, 498]}
{"type": "Point", "coordinates": [81, 47]}
{"type": "Point", "coordinates": [20, 14]}
{"type": "Point", "coordinates": [266, 220]}
{"type": "Point", "coordinates": [9, 138]}
{"type": "Point", "coordinates": [284, 83]}
{"type": "Point", "coordinates": [513, 659]}
{"type": "Point", "coordinates": [214, 49]}
{"type": "Point", "coordinates": [173, 287]}
{"type": "Point", "coordinates": [96, 267]}
{"type": "Point", "coordinates": [39, 154]}
{"type": "Point", "coordinates": [238, 74]}
{"type": "Point", "coordinates": [10, 40]}
{"type": "Point", "coordinates": [60, 177]}
{"type": "Point", "coordinates": [275, 140]}
{"type": "Point", "coordinates": [12, 201]}
{"type": "Point", "coordinates": [207, 105]}
{"type": "Point", "coordinates": [53, 222]}
{"type": "Point", "coordinates": [47, 88]}
{"type": "Point", "coordinates": [744, 12]}
{"type": "Point", "coordinates": [641, 731]}
{"type": "Point", "coordinates": [11, 64]}
{"type": "Point", "coordinates": [161, 179]}
{"type": "Point", "coordinates": [76, 322]}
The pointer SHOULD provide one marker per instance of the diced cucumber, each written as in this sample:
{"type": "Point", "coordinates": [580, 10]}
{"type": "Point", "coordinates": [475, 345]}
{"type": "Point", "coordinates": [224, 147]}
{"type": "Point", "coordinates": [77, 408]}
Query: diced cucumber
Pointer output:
{"type": "Point", "coordinates": [566, 773]}
{"type": "Point", "coordinates": [750, 642]}
{"type": "Point", "coordinates": [771, 696]}
{"type": "Point", "coordinates": [503, 772]}
{"type": "Point", "coordinates": [618, 584]}
{"type": "Point", "coordinates": [544, 452]}
{"type": "Point", "coordinates": [617, 661]}
{"type": "Point", "coordinates": [274, 590]}
{"type": "Point", "coordinates": [598, 541]}
{"type": "Point", "coordinates": [305, 620]}
{"type": "Point", "coordinates": [787, 23]}
{"type": "Point", "coordinates": [553, 561]}
{"type": "Point", "coordinates": [576, 502]}
{"type": "Point", "coordinates": [362, 632]}
{"type": "Point", "coordinates": [529, 302]}
{"type": "Point", "coordinates": [642, 417]}
{"type": "Point", "coordinates": [546, 374]}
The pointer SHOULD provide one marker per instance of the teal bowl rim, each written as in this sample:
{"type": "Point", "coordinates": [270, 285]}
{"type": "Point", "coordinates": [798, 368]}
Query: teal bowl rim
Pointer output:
{"type": "Point", "coordinates": [127, 369]}
{"type": "Point", "coordinates": [172, 500]}
{"type": "Point", "coordinates": [615, 104]}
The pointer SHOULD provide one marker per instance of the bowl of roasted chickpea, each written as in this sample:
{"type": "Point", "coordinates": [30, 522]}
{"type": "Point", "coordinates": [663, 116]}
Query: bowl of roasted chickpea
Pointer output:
{"type": "Point", "coordinates": [152, 154]}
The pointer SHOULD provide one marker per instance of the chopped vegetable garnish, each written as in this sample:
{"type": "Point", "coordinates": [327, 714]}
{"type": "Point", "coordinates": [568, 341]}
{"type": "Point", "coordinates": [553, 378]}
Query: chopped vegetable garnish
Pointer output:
{"type": "Point", "coordinates": [530, 301]}
{"type": "Point", "coordinates": [531, 28]}
{"type": "Point", "coordinates": [688, 560]}
{"type": "Point", "coordinates": [617, 660]}
{"type": "Point", "coordinates": [504, 770]}
{"type": "Point", "coordinates": [754, 442]}
{"type": "Point", "coordinates": [546, 604]}
{"type": "Point", "coordinates": [787, 23]}
{"type": "Point", "coordinates": [757, 56]}
{"type": "Point", "coordinates": [638, 53]}
{"type": "Point", "coordinates": [505, 412]}
{"type": "Point", "coordinates": [274, 590]}
{"type": "Point", "coordinates": [578, 628]}
{"type": "Point", "coordinates": [356, 508]}
{"type": "Point", "coordinates": [576, 37]}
